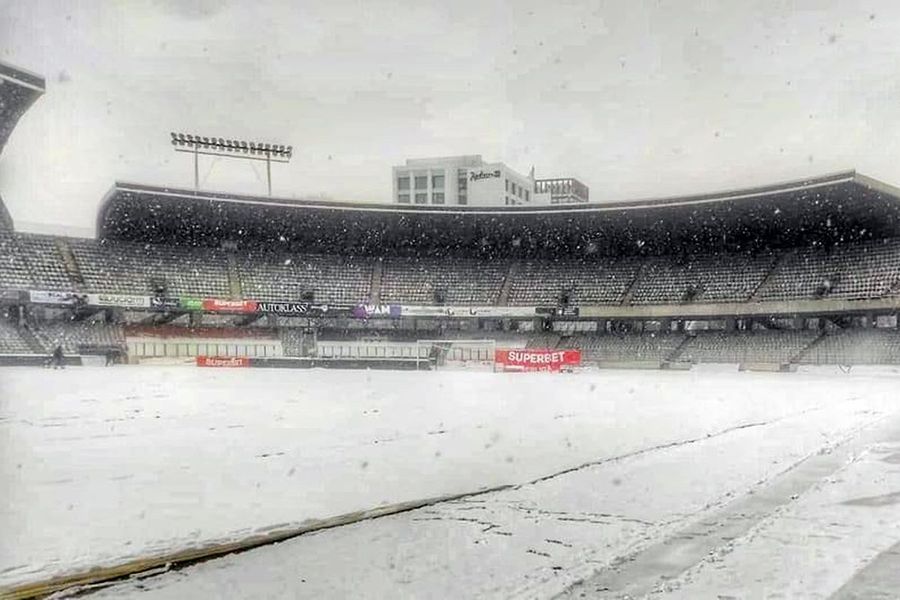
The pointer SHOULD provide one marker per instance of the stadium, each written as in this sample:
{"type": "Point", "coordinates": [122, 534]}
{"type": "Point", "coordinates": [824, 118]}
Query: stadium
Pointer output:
{"type": "Point", "coordinates": [804, 272]}
{"type": "Point", "coordinates": [671, 282]}
{"type": "Point", "coordinates": [780, 278]}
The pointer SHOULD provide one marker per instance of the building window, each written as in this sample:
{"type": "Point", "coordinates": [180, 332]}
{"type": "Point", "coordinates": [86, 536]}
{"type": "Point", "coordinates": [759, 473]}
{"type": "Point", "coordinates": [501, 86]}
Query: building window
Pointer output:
{"type": "Point", "coordinates": [527, 199]}
{"type": "Point", "coordinates": [403, 183]}
{"type": "Point", "coordinates": [437, 182]}
{"type": "Point", "coordinates": [507, 184]}
{"type": "Point", "coordinates": [463, 200]}
{"type": "Point", "coordinates": [421, 198]}
{"type": "Point", "coordinates": [519, 191]}
{"type": "Point", "coordinates": [403, 198]}
{"type": "Point", "coordinates": [421, 182]}
{"type": "Point", "coordinates": [437, 198]}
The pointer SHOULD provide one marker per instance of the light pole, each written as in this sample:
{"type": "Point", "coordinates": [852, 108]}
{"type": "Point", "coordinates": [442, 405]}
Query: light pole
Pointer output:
{"type": "Point", "coordinates": [212, 146]}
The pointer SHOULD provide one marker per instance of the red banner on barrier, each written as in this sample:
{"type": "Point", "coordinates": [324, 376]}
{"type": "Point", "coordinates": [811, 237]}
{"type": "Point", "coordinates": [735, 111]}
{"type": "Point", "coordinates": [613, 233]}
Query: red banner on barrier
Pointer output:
{"type": "Point", "coordinates": [241, 306]}
{"type": "Point", "coordinates": [223, 361]}
{"type": "Point", "coordinates": [529, 359]}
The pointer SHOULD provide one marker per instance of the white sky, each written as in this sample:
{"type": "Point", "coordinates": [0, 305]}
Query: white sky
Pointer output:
{"type": "Point", "coordinates": [634, 98]}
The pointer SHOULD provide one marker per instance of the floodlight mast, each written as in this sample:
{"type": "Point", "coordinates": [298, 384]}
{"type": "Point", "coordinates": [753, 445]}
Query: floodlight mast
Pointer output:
{"type": "Point", "coordinates": [213, 146]}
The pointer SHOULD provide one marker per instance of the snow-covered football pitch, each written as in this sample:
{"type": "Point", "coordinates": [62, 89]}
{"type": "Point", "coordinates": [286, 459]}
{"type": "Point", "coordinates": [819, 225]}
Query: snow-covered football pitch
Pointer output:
{"type": "Point", "coordinates": [609, 470]}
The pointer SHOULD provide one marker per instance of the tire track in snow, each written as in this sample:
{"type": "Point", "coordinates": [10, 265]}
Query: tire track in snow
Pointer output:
{"type": "Point", "coordinates": [643, 572]}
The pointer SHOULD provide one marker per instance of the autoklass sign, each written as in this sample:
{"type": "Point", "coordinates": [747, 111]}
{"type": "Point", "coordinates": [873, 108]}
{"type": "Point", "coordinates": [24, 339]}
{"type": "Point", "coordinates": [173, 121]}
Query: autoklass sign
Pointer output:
{"type": "Point", "coordinates": [291, 308]}
{"type": "Point", "coordinates": [537, 360]}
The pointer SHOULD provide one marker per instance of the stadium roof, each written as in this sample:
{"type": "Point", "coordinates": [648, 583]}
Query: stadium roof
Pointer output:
{"type": "Point", "coordinates": [18, 91]}
{"type": "Point", "coordinates": [830, 209]}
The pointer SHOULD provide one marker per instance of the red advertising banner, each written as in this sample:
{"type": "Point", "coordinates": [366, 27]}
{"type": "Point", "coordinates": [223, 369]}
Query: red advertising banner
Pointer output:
{"type": "Point", "coordinates": [530, 359]}
{"type": "Point", "coordinates": [240, 306]}
{"type": "Point", "coordinates": [223, 361]}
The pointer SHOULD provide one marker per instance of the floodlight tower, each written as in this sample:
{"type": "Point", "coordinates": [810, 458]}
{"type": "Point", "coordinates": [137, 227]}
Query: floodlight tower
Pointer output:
{"type": "Point", "coordinates": [212, 146]}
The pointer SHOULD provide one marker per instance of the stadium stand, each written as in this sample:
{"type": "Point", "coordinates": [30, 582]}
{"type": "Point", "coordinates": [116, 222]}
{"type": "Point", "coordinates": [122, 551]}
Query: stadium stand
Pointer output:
{"type": "Point", "coordinates": [11, 341]}
{"type": "Point", "coordinates": [45, 264]}
{"type": "Point", "coordinates": [544, 341]}
{"type": "Point", "coordinates": [330, 279]}
{"type": "Point", "coordinates": [854, 272]}
{"type": "Point", "coordinates": [705, 278]}
{"type": "Point", "coordinates": [856, 347]}
{"type": "Point", "coordinates": [546, 282]}
{"type": "Point", "coordinates": [14, 272]}
{"type": "Point", "coordinates": [630, 347]}
{"type": "Point", "coordinates": [74, 336]}
{"type": "Point", "coordinates": [441, 281]}
{"type": "Point", "coordinates": [128, 268]}
{"type": "Point", "coordinates": [851, 271]}
{"type": "Point", "coordinates": [759, 347]}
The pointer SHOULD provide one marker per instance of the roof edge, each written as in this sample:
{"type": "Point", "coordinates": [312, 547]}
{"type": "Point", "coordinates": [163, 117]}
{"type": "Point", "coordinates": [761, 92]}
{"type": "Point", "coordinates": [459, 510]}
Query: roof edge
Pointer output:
{"type": "Point", "coordinates": [643, 204]}
{"type": "Point", "coordinates": [23, 77]}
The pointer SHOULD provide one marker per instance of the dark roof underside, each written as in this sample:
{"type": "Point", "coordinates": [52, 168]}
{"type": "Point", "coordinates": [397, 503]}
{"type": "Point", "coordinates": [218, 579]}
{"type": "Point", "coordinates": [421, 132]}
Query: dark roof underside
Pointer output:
{"type": "Point", "coordinates": [18, 91]}
{"type": "Point", "coordinates": [827, 210]}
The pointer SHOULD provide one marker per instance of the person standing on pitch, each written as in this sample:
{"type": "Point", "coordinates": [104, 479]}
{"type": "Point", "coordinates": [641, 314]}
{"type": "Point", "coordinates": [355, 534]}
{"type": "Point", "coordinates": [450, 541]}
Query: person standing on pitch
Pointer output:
{"type": "Point", "coordinates": [58, 357]}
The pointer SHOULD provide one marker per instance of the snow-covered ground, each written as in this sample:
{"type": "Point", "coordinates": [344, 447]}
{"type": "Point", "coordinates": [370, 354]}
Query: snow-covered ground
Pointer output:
{"type": "Point", "coordinates": [98, 465]}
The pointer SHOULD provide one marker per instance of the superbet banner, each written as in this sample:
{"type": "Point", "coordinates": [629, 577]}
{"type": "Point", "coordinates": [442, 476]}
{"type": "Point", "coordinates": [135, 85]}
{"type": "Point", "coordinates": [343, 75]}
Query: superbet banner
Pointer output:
{"type": "Point", "coordinates": [223, 361]}
{"type": "Point", "coordinates": [537, 360]}
{"type": "Point", "coordinates": [230, 306]}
